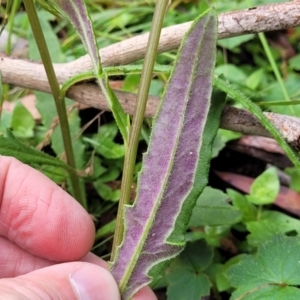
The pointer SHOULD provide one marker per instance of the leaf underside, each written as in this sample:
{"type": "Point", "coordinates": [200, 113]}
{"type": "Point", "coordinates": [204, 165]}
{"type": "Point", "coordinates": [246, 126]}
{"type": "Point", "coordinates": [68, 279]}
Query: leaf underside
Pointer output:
{"type": "Point", "coordinates": [180, 142]}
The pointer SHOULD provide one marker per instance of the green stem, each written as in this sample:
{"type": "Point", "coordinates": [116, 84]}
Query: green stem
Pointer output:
{"type": "Point", "coordinates": [276, 72]}
{"type": "Point", "coordinates": [59, 101]}
{"type": "Point", "coordinates": [14, 9]}
{"type": "Point", "coordinates": [272, 62]}
{"type": "Point", "coordinates": [138, 117]}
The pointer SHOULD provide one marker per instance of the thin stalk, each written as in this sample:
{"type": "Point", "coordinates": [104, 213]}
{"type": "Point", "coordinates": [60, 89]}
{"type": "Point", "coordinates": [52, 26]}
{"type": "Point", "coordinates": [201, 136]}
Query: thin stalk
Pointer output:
{"type": "Point", "coordinates": [276, 72]}
{"type": "Point", "coordinates": [15, 7]}
{"type": "Point", "coordinates": [138, 117]}
{"type": "Point", "coordinates": [272, 62]}
{"type": "Point", "coordinates": [256, 111]}
{"type": "Point", "coordinates": [59, 101]}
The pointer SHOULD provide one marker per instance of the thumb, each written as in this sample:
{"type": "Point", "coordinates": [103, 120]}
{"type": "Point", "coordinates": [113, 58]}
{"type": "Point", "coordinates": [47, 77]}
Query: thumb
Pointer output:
{"type": "Point", "coordinates": [67, 281]}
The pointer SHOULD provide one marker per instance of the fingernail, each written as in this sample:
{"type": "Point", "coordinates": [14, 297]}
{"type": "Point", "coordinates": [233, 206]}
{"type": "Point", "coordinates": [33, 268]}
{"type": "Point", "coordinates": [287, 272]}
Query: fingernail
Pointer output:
{"type": "Point", "coordinates": [94, 283]}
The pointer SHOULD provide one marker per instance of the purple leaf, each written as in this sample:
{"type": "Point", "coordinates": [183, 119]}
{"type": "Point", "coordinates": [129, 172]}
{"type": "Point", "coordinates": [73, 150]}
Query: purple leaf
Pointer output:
{"type": "Point", "coordinates": [176, 165]}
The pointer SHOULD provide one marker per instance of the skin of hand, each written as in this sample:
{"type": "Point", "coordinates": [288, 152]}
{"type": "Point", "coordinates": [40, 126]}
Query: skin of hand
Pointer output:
{"type": "Point", "coordinates": [45, 238]}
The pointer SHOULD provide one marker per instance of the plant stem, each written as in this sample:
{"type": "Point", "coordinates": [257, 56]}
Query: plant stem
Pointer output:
{"type": "Point", "coordinates": [276, 72]}
{"type": "Point", "coordinates": [272, 62]}
{"type": "Point", "coordinates": [256, 111]}
{"type": "Point", "coordinates": [138, 117]}
{"type": "Point", "coordinates": [59, 101]}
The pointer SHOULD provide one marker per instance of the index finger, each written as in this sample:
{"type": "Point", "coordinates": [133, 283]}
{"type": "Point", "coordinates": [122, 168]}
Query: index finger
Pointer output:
{"type": "Point", "coordinates": [39, 216]}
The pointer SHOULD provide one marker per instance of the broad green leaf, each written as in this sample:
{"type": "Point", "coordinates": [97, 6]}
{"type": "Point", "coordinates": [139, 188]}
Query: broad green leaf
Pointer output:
{"type": "Point", "coordinates": [255, 79]}
{"type": "Point", "coordinates": [22, 122]}
{"type": "Point", "coordinates": [105, 144]}
{"type": "Point", "coordinates": [180, 143]}
{"type": "Point", "coordinates": [272, 273]}
{"type": "Point", "coordinates": [187, 271]}
{"type": "Point", "coordinates": [270, 224]}
{"type": "Point", "coordinates": [233, 43]}
{"type": "Point", "coordinates": [53, 43]}
{"type": "Point", "coordinates": [232, 73]}
{"type": "Point", "coordinates": [265, 188]}
{"type": "Point", "coordinates": [294, 62]}
{"type": "Point", "coordinates": [248, 210]}
{"type": "Point", "coordinates": [212, 209]}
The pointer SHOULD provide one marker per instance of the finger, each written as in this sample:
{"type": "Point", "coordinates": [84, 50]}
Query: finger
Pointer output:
{"type": "Point", "coordinates": [15, 261]}
{"type": "Point", "coordinates": [39, 216]}
{"type": "Point", "coordinates": [68, 281]}
{"type": "Point", "coordinates": [144, 293]}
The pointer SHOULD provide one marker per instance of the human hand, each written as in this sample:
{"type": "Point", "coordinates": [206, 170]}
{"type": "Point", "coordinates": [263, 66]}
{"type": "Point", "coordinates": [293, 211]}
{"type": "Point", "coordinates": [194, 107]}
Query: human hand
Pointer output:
{"type": "Point", "coordinates": [43, 229]}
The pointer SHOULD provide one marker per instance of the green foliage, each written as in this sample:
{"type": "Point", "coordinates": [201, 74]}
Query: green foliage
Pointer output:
{"type": "Point", "coordinates": [265, 188]}
{"type": "Point", "coordinates": [212, 209]}
{"type": "Point", "coordinates": [105, 144]}
{"type": "Point", "coordinates": [270, 224]}
{"type": "Point", "coordinates": [223, 137]}
{"type": "Point", "coordinates": [22, 122]}
{"type": "Point", "coordinates": [220, 221]}
{"type": "Point", "coordinates": [186, 276]}
{"type": "Point", "coordinates": [272, 273]}
{"type": "Point", "coordinates": [295, 178]}
{"type": "Point", "coordinates": [10, 146]}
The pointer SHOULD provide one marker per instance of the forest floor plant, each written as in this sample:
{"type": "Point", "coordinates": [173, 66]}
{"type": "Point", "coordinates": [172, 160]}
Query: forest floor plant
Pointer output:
{"type": "Point", "coordinates": [171, 193]}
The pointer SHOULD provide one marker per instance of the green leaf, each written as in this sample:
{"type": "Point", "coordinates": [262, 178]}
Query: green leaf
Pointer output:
{"type": "Point", "coordinates": [255, 79]}
{"type": "Point", "coordinates": [294, 62]}
{"type": "Point", "coordinates": [270, 224]}
{"type": "Point", "coordinates": [52, 41]}
{"type": "Point", "coordinates": [295, 178]}
{"type": "Point", "coordinates": [5, 121]}
{"type": "Point", "coordinates": [112, 173]}
{"type": "Point", "coordinates": [232, 73]}
{"type": "Point", "coordinates": [223, 137]}
{"type": "Point", "coordinates": [10, 146]}
{"type": "Point", "coordinates": [118, 112]}
{"type": "Point", "coordinates": [271, 273]}
{"type": "Point", "coordinates": [212, 209]}
{"type": "Point", "coordinates": [106, 192]}
{"type": "Point", "coordinates": [22, 122]}
{"type": "Point", "coordinates": [265, 188]}
{"type": "Point", "coordinates": [105, 144]}
{"type": "Point", "coordinates": [248, 210]}
{"type": "Point", "coordinates": [78, 145]}
{"type": "Point", "coordinates": [233, 43]}
{"type": "Point", "coordinates": [131, 83]}
{"type": "Point", "coordinates": [105, 230]}
{"type": "Point", "coordinates": [187, 271]}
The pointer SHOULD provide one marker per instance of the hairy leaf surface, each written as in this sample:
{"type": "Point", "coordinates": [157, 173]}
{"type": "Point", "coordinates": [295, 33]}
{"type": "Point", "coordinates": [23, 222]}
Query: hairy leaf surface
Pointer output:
{"type": "Point", "coordinates": [175, 167]}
